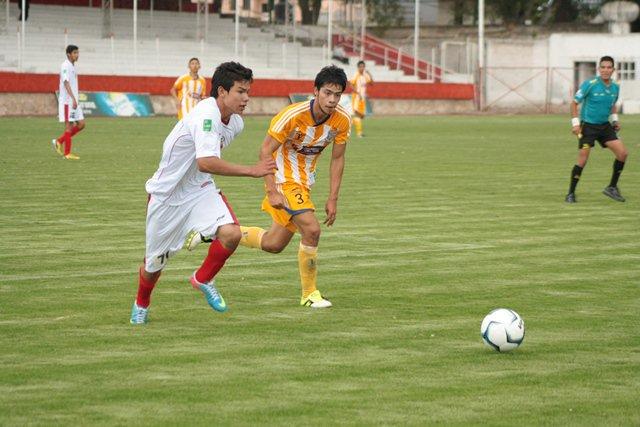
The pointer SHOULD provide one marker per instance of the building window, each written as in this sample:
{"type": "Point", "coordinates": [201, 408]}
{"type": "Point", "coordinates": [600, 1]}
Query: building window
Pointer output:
{"type": "Point", "coordinates": [626, 70]}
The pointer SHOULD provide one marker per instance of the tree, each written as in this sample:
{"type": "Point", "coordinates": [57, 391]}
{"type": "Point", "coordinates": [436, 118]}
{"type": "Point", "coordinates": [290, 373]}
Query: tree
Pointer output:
{"type": "Point", "coordinates": [462, 8]}
{"type": "Point", "coordinates": [310, 10]}
{"type": "Point", "coordinates": [635, 25]}
{"type": "Point", "coordinates": [385, 13]}
{"type": "Point", "coordinates": [514, 12]}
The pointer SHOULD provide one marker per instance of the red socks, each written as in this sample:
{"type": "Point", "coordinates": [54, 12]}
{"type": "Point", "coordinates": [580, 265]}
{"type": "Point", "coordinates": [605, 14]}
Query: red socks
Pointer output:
{"type": "Point", "coordinates": [65, 139]}
{"type": "Point", "coordinates": [144, 290]}
{"type": "Point", "coordinates": [214, 261]}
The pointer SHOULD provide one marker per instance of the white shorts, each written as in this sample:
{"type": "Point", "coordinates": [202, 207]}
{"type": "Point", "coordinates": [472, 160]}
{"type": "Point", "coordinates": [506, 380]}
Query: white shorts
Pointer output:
{"type": "Point", "coordinates": [168, 226]}
{"type": "Point", "coordinates": [68, 114]}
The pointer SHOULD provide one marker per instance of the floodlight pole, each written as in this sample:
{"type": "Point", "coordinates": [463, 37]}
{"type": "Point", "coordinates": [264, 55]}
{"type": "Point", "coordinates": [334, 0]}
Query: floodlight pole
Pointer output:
{"type": "Point", "coordinates": [329, 30]}
{"type": "Point", "coordinates": [416, 37]}
{"type": "Point", "coordinates": [481, 55]}
{"type": "Point", "coordinates": [237, 28]}
{"type": "Point", "coordinates": [22, 27]}
{"type": "Point", "coordinates": [363, 28]}
{"type": "Point", "coordinates": [135, 35]}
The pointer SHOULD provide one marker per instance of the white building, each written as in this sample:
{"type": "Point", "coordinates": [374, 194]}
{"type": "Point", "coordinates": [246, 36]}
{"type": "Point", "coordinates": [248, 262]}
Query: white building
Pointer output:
{"type": "Point", "coordinates": [543, 74]}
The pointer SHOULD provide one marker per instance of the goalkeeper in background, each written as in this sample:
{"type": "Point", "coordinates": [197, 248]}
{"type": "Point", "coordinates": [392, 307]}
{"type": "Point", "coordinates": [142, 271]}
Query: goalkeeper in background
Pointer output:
{"type": "Point", "coordinates": [598, 121]}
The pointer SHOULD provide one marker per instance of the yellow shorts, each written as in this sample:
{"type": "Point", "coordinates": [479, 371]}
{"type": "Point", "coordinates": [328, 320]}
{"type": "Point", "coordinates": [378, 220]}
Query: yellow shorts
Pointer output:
{"type": "Point", "coordinates": [358, 104]}
{"type": "Point", "coordinates": [298, 200]}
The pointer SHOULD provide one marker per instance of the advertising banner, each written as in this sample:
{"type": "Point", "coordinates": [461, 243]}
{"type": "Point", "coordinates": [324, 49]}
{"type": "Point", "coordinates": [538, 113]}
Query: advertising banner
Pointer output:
{"type": "Point", "coordinates": [115, 104]}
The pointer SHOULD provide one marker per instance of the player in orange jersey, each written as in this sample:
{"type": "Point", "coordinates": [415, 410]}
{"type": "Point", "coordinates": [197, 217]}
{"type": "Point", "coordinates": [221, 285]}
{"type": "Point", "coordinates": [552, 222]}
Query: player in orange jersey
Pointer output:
{"type": "Point", "coordinates": [359, 83]}
{"type": "Point", "coordinates": [189, 89]}
{"type": "Point", "coordinates": [296, 137]}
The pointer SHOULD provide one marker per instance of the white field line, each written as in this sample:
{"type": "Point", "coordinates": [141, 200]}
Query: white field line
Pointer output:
{"type": "Point", "coordinates": [379, 255]}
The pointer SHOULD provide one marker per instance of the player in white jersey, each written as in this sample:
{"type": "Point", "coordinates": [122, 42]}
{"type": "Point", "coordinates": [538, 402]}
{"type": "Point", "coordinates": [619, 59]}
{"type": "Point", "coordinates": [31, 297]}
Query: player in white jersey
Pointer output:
{"type": "Point", "coordinates": [69, 111]}
{"type": "Point", "coordinates": [183, 197]}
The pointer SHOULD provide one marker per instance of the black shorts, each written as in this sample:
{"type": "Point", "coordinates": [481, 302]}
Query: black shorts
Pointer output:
{"type": "Point", "coordinates": [591, 133]}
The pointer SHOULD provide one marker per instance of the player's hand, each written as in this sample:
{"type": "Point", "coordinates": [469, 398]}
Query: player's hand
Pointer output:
{"type": "Point", "coordinates": [276, 199]}
{"type": "Point", "coordinates": [74, 104]}
{"type": "Point", "coordinates": [179, 105]}
{"type": "Point", "coordinates": [616, 126]}
{"type": "Point", "coordinates": [331, 208]}
{"type": "Point", "coordinates": [263, 168]}
{"type": "Point", "coordinates": [575, 130]}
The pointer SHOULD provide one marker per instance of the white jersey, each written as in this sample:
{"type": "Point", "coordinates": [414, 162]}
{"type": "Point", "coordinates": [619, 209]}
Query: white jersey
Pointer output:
{"type": "Point", "coordinates": [200, 134]}
{"type": "Point", "coordinates": [68, 74]}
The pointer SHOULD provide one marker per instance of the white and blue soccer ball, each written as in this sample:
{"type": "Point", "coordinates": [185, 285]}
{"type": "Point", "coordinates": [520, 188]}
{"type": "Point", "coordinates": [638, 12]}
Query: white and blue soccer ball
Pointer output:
{"type": "Point", "coordinates": [502, 330]}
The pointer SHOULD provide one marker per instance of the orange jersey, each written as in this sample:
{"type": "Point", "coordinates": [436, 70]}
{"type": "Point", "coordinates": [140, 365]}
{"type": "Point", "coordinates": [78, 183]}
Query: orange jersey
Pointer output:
{"type": "Point", "coordinates": [190, 92]}
{"type": "Point", "coordinates": [302, 140]}
{"type": "Point", "coordinates": [359, 83]}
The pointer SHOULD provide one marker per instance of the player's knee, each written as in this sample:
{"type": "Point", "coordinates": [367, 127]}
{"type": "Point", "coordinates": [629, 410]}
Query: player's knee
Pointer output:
{"type": "Point", "coordinates": [623, 155]}
{"type": "Point", "coordinates": [273, 247]}
{"type": "Point", "coordinates": [80, 125]}
{"type": "Point", "coordinates": [311, 235]}
{"type": "Point", "coordinates": [229, 235]}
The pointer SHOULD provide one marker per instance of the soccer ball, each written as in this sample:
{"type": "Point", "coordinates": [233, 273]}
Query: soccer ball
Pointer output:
{"type": "Point", "coordinates": [502, 330]}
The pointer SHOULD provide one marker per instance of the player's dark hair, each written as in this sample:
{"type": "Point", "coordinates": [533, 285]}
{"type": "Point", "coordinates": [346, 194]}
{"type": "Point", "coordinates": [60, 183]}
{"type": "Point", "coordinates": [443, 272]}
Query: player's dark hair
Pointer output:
{"type": "Point", "coordinates": [607, 58]}
{"type": "Point", "coordinates": [331, 75]}
{"type": "Point", "coordinates": [71, 48]}
{"type": "Point", "coordinates": [360, 62]}
{"type": "Point", "coordinates": [193, 59]}
{"type": "Point", "coordinates": [227, 74]}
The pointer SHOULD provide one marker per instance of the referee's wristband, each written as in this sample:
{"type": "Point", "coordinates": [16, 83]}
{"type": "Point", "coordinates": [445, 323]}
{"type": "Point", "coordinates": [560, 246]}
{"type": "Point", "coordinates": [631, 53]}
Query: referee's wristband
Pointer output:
{"type": "Point", "coordinates": [575, 121]}
{"type": "Point", "coordinates": [613, 118]}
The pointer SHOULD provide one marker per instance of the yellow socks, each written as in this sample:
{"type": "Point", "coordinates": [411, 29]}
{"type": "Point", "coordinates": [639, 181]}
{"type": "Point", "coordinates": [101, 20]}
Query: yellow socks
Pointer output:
{"type": "Point", "coordinates": [252, 237]}
{"type": "Point", "coordinates": [307, 263]}
{"type": "Point", "coordinates": [357, 122]}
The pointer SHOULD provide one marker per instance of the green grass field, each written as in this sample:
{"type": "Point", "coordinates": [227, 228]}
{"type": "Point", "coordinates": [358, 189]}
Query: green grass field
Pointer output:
{"type": "Point", "coordinates": [441, 219]}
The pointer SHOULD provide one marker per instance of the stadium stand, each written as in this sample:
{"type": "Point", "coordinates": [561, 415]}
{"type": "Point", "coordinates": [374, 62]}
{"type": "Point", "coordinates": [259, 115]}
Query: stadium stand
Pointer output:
{"type": "Point", "coordinates": [165, 41]}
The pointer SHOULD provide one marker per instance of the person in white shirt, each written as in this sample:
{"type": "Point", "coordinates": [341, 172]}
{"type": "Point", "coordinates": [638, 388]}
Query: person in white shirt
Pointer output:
{"type": "Point", "coordinates": [69, 111]}
{"type": "Point", "coordinates": [183, 197]}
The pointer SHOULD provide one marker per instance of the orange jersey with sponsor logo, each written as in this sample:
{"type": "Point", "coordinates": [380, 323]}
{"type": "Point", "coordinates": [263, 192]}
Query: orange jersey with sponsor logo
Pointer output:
{"type": "Point", "coordinates": [190, 92]}
{"type": "Point", "coordinates": [302, 140]}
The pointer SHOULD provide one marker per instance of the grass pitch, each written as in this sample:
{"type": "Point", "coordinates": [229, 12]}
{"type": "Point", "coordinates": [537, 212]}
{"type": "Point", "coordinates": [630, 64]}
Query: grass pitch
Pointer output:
{"type": "Point", "coordinates": [441, 219]}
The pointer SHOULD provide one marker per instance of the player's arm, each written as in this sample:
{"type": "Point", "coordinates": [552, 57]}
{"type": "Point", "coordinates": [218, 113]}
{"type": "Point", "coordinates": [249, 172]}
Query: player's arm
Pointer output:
{"type": "Point", "coordinates": [613, 118]}
{"type": "Point", "coordinates": [335, 179]}
{"type": "Point", "coordinates": [217, 166]}
{"type": "Point", "coordinates": [575, 120]}
{"type": "Point", "coordinates": [269, 145]}
{"type": "Point", "coordinates": [67, 87]}
{"type": "Point", "coordinates": [174, 94]}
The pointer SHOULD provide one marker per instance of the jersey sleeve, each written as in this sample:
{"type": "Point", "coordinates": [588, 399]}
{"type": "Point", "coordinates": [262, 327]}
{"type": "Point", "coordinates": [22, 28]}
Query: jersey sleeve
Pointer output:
{"type": "Point", "coordinates": [582, 92]}
{"type": "Point", "coordinates": [344, 131]}
{"type": "Point", "coordinates": [65, 72]}
{"type": "Point", "coordinates": [178, 83]}
{"type": "Point", "coordinates": [204, 131]}
{"type": "Point", "coordinates": [280, 126]}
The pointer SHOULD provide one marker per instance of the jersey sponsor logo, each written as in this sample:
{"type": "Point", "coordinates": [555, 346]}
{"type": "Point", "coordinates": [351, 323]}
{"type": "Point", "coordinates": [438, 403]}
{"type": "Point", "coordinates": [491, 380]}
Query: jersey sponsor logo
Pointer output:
{"type": "Point", "coordinates": [308, 151]}
{"type": "Point", "coordinates": [296, 136]}
{"type": "Point", "coordinates": [206, 125]}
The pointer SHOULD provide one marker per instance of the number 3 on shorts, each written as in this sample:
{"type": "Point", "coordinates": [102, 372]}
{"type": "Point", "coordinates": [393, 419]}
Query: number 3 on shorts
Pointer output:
{"type": "Point", "coordinates": [299, 197]}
